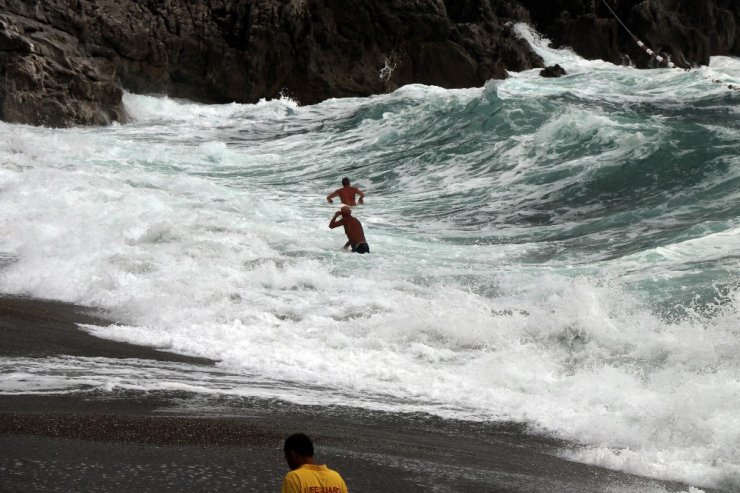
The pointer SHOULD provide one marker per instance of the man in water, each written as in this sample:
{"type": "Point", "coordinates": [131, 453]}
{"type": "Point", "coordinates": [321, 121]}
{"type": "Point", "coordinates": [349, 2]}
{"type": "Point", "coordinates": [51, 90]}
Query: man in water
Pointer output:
{"type": "Point", "coordinates": [346, 194]}
{"type": "Point", "coordinates": [352, 228]}
{"type": "Point", "coordinates": [305, 475]}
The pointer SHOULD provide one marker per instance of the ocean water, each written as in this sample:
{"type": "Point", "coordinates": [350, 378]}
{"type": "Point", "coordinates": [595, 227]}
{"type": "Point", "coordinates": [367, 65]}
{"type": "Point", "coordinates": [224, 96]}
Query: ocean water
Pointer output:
{"type": "Point", "coordinates": [563, 253]}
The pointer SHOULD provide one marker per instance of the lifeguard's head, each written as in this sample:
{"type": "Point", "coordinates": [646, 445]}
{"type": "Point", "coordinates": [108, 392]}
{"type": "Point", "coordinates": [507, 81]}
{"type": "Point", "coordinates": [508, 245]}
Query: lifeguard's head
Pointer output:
{"type": "Point", "coordinates": [298, 450]}
{"type": "Point", "coordinates": [345, 181]}
{"type": "Point", "coordinates": [346, 211]}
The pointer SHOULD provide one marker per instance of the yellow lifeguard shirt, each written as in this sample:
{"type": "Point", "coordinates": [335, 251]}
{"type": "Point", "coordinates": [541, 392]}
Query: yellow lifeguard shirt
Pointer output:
{"type": "Point", "coordinates": [311, 478]}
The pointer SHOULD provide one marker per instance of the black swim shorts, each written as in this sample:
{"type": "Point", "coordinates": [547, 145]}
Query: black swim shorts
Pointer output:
{"type": "Point", "coordinates": [361, 248]}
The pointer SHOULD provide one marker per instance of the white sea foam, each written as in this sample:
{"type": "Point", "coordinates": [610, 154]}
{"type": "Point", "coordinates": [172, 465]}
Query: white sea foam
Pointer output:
{"type": "Point", "coordinates": [603, 80]}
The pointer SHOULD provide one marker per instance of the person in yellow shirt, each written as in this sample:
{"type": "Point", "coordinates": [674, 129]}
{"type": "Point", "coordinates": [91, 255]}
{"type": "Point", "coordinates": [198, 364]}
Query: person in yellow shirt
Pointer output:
{"type": "Point", "coordinates": [305, 476]}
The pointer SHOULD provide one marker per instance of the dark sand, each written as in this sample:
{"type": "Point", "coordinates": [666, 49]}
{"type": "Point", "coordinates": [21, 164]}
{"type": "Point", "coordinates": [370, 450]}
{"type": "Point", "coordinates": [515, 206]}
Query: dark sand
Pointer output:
{"type": "Point", "coordinates": [157, 441]}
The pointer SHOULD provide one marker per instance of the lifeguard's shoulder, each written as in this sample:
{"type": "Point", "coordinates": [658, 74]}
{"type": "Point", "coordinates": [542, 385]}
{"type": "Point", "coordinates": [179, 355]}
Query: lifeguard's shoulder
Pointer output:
{"type": "Point", "coordinates": [306, 478]}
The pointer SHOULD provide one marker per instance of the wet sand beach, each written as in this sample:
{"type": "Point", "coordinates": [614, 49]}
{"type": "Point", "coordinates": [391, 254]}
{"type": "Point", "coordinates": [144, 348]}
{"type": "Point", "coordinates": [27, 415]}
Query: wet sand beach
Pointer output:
{"type": "Point", "coordinates": [177, 441]}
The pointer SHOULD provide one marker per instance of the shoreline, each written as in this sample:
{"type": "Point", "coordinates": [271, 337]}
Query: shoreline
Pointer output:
{"type": "Point", "coordinates": [174, 441]}
{"type": "Point", "coordinates": [36, 328]}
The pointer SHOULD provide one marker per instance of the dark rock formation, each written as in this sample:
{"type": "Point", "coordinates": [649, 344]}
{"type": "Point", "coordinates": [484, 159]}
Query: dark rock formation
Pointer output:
{"type": "Point", "coordinates": [46, 79]}
{"type": "Point", "coordinates": [688, 31]}
{"type": "Point", "coordinates": [553, 71]}
{"type": "Point", "coordinates": [65, 62]}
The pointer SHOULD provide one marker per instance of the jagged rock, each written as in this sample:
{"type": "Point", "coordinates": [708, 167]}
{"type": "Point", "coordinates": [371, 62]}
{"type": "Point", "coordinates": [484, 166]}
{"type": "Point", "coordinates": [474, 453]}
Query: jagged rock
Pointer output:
{"type": "Point", "coordinates": [65, 62]}
{"type": "Point", "coordinates": [686, 31]}
{"type": "Point", "coordinates": [243, 50]}
{"type": "Point", "coordinates": [690, 32]}
{"type": "Point", "coordinates": [46, 80]}
{"type": "Point", "coordinates": [553, 71]}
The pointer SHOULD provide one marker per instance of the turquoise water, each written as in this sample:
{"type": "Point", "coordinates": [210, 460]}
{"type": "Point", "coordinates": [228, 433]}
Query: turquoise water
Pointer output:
{"type": "Point", "coordinates": [562, 253]}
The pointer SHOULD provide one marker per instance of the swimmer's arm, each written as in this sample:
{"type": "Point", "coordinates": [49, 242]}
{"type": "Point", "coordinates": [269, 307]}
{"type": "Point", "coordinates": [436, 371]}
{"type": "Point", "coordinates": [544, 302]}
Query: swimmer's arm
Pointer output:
{"type": "Point", "coordinates": [334, 223]}
{"type": "Point", "coordinates": [335, 193]}
{"type": "Point", "coordinates": [361, 194]}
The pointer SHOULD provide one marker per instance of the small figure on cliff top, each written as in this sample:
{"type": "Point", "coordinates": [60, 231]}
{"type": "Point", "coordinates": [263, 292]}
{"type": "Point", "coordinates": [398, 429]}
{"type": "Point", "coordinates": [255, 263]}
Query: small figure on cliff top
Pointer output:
{"type": "Point", "coordinates": [346, 194]}
{"type": "Point", "coordinates": [305, 474]}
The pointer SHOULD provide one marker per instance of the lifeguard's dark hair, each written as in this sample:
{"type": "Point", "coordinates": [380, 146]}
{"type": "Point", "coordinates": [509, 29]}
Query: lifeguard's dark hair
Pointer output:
{"type": "Point", "coordinates": [345, 181]}
{"type": "Point", "coordinates": [300, 444]}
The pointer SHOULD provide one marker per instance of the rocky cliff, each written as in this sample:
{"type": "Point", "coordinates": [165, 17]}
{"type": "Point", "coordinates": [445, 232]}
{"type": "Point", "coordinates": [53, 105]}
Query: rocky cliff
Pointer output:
{"type": "Point", "coordinates": [66, 62]}
{"type": "Point", "coordinates": [687, 31]}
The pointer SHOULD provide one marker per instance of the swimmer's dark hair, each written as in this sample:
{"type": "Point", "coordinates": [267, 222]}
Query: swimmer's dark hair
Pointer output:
{"type": "Point", "coordinates": [300, 444]}
{"type": "Point", "coordinates": [345, 181]}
